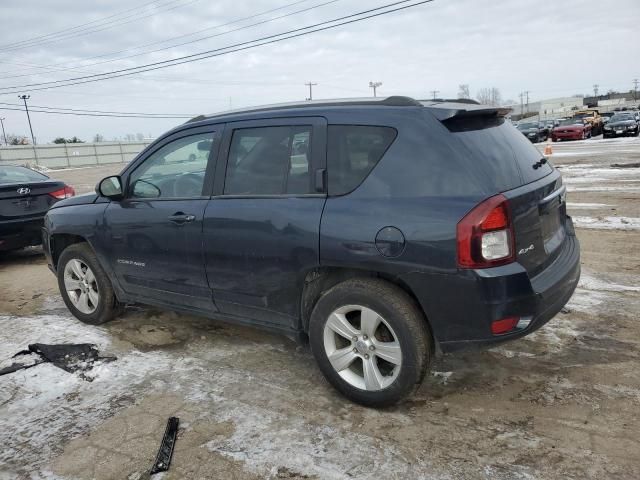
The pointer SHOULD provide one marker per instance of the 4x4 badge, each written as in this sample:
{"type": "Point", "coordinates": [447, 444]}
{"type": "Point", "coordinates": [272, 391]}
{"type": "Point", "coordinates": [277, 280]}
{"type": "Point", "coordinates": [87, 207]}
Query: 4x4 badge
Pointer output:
{"type": "Point", "coordinates": [526, 250]}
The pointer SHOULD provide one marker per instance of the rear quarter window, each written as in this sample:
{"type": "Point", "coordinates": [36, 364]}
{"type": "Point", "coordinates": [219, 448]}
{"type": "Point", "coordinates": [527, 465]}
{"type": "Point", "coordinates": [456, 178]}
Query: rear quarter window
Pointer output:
{"type": "Point", "coordinates": [352, 152]}
{"type": "Point", "coordinates": [502, 152]}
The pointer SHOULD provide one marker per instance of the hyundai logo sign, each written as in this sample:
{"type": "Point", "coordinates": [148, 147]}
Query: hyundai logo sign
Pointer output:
{"type": "Point", "coordinates": [24, 190]}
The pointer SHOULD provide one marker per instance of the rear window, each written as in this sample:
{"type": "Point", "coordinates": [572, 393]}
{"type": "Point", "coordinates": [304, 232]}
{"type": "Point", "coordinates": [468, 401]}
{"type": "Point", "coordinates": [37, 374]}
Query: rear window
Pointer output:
{"type": "Point", "coordinates": [502, 152]}
{"type": "Point", "coordinates": [352, 152]}
{"type": "Point", "coordinates": [14, 174]}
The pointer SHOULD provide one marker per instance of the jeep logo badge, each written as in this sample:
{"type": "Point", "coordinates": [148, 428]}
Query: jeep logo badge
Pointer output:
{"type": "Point", "coordinates": [24, 190]}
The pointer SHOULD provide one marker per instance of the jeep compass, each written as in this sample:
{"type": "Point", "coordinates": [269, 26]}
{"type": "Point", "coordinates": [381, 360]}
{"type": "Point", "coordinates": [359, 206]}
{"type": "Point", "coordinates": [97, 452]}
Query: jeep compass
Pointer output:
{"type": "Point", "coordinates": [381, 231]}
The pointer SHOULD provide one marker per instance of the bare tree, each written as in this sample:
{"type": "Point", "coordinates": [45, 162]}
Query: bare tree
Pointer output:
{"type": "Point", "coordinates": [13, 139]}
{"type": "Point", "coordinates": [463, 91]}
{"type": "Point", "coordinates": [489, 96]}
{"type": "Point", "coordinates": [97, 138]}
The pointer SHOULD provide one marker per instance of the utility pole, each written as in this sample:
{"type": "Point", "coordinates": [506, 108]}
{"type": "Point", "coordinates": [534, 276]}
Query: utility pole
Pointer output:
{"type": "Point", "coordinates": [24, 98]}
{"type": "Point", "coordinates": [4, 135]}
{"type": "Point", "coordinates": [310, 84]}
{"type": "Point", "coordinates": [635, 89]}
{"type": "Point", "coordinates": [526, 92]}
{"type": "Point", "coordinates": [434, 93]}
{"type": "Point", "coordinates": [521, 95]}
{"type": "Point", "coordinates": [595, 90]}
{"type": "Point", "coordinates": [375, 85]}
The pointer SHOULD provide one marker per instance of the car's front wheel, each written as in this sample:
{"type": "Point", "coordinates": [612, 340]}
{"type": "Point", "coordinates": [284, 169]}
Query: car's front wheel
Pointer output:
{"type": "Point", "coordinates": [370, 340]}
{"type": "Point", "coordinates": [84, 286]}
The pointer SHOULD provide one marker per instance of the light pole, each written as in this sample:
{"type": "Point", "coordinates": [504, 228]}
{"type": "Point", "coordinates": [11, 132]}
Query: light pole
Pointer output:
{"type": "Point", "coordinates": [4, 135]}
{"type": "Point", "coordinates": [24, 98]}
{"type": "Point", "coordinates": [374, 85]}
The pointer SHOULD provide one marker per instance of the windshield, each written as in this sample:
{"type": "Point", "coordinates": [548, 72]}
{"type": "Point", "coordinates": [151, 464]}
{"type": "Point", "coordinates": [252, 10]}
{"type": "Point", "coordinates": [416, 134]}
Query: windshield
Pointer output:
{"type": "Point", "coordinates": [14, 174]}
{"type": "Point", "coordinates": [621, 117]}
{"type": "Point", "coordinates": [527, 126]}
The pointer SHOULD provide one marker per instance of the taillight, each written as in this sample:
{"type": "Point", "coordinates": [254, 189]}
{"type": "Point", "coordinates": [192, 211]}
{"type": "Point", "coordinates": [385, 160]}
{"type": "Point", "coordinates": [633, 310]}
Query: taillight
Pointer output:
{"type": "Point", "coordinates": [500, 327]}
{"type": "Point", "coordinates": [63, 193]}
{"type": "Point", "coordinates": [485, 235]}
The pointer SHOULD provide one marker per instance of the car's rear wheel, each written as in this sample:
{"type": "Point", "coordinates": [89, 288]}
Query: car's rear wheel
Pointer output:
{"type": "Point", "coordinates": [370, 340]}
{"type": "Point", "coordinates": [84, 286]}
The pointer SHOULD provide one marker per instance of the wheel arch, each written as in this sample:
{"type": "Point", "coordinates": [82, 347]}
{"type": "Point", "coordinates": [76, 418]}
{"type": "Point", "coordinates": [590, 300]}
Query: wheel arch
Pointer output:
{"type": "Point", "coordinates": [319, 280]}
{"type": "Point", "coordinates": [60, 241]}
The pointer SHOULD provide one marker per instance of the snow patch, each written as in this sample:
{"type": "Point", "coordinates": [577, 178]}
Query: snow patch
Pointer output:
{"type": "Point", "coordinates": [588, 205]}
{"type": "Point", "coordinates": [607, 223]}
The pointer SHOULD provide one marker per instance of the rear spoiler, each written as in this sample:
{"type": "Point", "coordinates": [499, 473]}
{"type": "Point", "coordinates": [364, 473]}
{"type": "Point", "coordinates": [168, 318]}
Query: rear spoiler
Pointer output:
{"type": "Point", "coordinates": [463, 120]}
{"type": "Point", "coordinates": [444, 114]}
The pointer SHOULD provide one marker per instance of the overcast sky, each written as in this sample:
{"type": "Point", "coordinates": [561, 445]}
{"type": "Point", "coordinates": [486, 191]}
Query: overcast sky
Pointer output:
{"type": "Point", "coordinates": [551, 48]}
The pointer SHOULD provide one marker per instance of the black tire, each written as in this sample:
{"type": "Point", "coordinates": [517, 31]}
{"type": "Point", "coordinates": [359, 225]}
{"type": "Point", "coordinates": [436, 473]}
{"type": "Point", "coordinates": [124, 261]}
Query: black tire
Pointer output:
{"type": "Point", "coordinates": [107, 307]}
{"type": "Point", "coordinates": [402, 314]}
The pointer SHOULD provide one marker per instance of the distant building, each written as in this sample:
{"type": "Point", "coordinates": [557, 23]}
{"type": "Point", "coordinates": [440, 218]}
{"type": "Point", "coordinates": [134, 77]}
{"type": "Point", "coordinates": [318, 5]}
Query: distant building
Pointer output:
{"type": "Point", "coordinates": [549, 108]}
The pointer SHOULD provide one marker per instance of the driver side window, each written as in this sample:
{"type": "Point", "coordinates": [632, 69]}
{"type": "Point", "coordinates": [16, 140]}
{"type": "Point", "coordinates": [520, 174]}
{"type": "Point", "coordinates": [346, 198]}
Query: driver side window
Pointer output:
{"type": "Point", "coordinates": [176, 170]}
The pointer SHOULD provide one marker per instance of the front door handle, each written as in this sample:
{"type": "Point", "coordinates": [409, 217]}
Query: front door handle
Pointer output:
{"type": "Point", "coordinates": [181, 218]}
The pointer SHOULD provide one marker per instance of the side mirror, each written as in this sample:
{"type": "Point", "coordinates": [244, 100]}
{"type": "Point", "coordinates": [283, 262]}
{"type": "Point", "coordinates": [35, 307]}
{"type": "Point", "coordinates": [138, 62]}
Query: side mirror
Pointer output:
{"type": "Point", "coordinates": [110, 187]}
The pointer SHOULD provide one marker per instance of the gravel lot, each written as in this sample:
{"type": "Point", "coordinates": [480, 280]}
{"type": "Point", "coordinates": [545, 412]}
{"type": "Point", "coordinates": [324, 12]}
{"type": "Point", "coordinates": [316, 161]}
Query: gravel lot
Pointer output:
{"type": "Point", "coordinates": [561, 403]}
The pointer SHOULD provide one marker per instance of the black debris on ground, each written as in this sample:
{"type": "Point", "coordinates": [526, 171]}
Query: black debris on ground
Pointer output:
{"type": "Point", "coordinates": [71, 358]}
{"type": "Point", "coordinates": [163, 458]}
{"type": "Point", "coordinates": [625, 165]}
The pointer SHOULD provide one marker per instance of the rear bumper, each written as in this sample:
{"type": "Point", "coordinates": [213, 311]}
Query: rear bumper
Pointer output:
{"type": "Point", "coordinates": [461, 308]}
{"type": "Point", "coordinates": [16, 234]}
{"type": "Point", "coordinates": [567, 136]}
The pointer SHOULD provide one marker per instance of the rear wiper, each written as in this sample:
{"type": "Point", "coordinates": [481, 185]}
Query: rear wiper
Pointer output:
{"type": "Point", "coordinates": [539, 163]}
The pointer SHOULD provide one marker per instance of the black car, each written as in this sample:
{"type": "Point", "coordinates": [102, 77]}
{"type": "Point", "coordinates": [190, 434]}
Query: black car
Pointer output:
{"type": "Point", "coordinates": [621, 125]}
{"type": "Point", "coordinates": [534, 131]}
{"type": "Point", "coordinates": [25, 197]}
{"type": "Point", "coordinates": [382, 231]}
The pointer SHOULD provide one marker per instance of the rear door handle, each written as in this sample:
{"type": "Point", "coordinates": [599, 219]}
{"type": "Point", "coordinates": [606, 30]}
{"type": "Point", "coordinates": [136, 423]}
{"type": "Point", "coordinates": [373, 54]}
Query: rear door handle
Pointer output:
{"type": "Point", "coordinates": [181, 218]}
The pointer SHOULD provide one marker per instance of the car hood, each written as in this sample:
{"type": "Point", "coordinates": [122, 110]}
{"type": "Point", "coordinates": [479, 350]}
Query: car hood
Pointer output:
{"type": "Point", "coordinates": [529, 130]}
{"type": "Point", "coordinates": [77, 200]}
{"type": "Point", "coordinates": [622, 123]}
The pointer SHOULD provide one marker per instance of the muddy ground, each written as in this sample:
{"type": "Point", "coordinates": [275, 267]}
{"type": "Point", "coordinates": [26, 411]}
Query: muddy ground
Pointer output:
{"type": "Point", "coordinates": [561, 403]}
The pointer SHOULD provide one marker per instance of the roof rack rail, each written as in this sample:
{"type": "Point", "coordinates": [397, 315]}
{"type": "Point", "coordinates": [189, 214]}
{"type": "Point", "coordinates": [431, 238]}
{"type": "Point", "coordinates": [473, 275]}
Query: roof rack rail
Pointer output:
{"type": "Point", "coordinates": [393, 101]}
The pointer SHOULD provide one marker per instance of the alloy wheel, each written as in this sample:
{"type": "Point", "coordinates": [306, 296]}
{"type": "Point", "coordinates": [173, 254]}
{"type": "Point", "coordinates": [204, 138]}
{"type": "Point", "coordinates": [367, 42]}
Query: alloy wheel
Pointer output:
{"type": "Point", "coordinates": [362, 347]}
{"type": "Point", "coordinates": [81, 286]}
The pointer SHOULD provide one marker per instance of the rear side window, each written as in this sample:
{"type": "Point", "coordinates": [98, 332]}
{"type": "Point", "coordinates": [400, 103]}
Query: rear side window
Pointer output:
{"type": "Point", "coordinates": [14, 174]}
{"type": "Point", "coordinates": [269, 161]}
{"type": "Point", "coordinates": [352, 152]}
{"type": "Point", "coordinates": [501, 151]}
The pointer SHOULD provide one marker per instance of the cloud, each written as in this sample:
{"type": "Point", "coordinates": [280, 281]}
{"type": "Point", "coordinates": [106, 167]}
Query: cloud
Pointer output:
{"type": "Point", "coordinates": [549, 48]}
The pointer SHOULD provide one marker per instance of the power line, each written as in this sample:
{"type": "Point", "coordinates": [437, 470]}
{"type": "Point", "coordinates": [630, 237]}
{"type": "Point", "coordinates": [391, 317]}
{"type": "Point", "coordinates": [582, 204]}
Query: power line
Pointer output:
{"type": "Point", "coordinates": [270, 39]}
{"type": "Point", "coordinates": [96, 114]}
{"type": "Point", "coordinates": [105, 26]}
{"type": "Point", "coordinates": [78, 26]}
{"type": "Point", "coordinates": [195, 40]}
{"type": "Point", "coordinates": [291, 4]}
{"type": "Point", "coordinates": [184, 115]}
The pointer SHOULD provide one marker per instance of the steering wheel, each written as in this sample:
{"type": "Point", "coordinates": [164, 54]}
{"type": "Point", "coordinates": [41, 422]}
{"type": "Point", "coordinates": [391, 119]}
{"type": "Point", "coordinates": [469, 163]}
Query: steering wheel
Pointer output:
{"type": "Point", "coordinates": [187, 185]}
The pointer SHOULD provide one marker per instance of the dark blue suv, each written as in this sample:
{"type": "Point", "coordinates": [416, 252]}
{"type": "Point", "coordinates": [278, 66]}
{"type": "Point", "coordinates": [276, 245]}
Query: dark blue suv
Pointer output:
{"type": "Point", "coordinates": [381, 230]}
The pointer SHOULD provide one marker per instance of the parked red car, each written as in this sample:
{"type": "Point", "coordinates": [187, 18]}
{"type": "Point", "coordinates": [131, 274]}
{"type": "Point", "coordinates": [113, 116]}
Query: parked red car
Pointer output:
{"type": "Point", "coordinates": [571, 129]}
